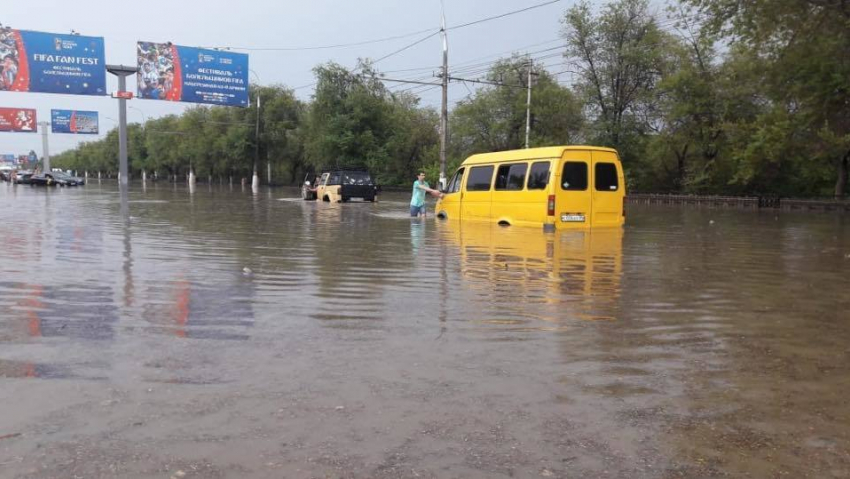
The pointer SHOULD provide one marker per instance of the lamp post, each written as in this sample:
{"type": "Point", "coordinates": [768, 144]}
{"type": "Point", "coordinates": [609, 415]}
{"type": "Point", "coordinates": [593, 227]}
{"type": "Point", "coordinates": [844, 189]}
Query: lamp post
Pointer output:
{"type": "Point", "coordinates": [45, 154]}
{"type": "Point", "coordinates": [255, 180]}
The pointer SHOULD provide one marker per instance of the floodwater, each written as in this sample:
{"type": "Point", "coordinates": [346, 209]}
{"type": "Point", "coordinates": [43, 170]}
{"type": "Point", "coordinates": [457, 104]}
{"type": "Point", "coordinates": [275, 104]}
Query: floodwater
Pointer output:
{"type": "Point", "coordinates": [225, 334]}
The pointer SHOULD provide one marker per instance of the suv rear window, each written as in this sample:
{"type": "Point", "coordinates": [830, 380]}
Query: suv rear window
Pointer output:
{"type": "Point", "coordinates": [479, 178]}
{"type": "Point", "coordinates": [356, 178]}
{"type": "Point", "coordinates": [606, 177]}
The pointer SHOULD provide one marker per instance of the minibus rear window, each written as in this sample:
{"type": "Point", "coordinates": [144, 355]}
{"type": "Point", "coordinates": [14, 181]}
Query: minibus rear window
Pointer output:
{"type": "Point", "coordinates": [538, 177]}
{"type": "Point", "coordinates": [511, 177]}
{"type": "Point", "coordinates": [606, 177]}
{"type": "Point", "coordinates": [479, 178]}
{"type": "Point", "coordinates": [574, 177]}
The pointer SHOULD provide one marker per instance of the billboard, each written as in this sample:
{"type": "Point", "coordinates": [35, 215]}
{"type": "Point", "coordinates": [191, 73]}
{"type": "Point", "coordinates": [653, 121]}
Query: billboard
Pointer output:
{"type": "Point", "coordinates": [8, 160]}
{"type": "Point", "coordinates": [73, 121]}
{"type": "Point", "coordinates": [51, 63]}
{"type": "Point", "coordinates": [174, 73]}
{"type": "Point", "coordinates": [20, 120]}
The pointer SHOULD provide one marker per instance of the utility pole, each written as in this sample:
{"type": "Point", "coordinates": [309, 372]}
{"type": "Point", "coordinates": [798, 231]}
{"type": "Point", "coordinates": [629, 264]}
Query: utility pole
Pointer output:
{"type": "Point", "coordinates": [255, 181]}
{"type": "Point", "coordinates": [122, 72]}
{"type": "Point", "coordinates": [528, 107]}
{"type": "Point", "coordinates": [444, 115]}
{"type": "Point", "coordinates": [45, 150]}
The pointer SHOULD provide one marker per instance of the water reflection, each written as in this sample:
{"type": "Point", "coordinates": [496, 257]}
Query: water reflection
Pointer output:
{"type": "Point", "coordinates": [79, 311]}
{"type": "Point", "coordinates": [526, 277]}
{"type": "Point", "coordinates": [195, 310]}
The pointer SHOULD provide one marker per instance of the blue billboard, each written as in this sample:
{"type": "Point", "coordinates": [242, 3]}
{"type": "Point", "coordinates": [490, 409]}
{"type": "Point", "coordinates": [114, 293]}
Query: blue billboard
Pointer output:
{"type": "Point", "coordinates": [51, 63]}
{"type": "Point", "coordinates": [174, 73]}
{"type": "Point", "coordinates": [74, 121]}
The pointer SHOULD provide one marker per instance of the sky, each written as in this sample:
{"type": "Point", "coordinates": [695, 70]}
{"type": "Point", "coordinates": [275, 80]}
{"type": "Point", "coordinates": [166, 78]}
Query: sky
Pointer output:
{"type": "Point", "coordinates": [251, 24]}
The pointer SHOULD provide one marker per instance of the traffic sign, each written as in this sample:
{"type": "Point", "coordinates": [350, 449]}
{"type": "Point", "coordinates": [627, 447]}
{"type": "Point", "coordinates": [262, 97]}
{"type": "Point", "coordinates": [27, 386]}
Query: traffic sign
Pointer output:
{"type": "Point", "coordinates": [124, 95]}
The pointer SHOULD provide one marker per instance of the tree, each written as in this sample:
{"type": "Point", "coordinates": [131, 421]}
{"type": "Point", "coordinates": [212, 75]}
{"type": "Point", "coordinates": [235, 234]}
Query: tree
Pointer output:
{"type": "Point", "coordinates": [494, 117]}
{"type": "Point", "coordinates": [354, 121]}
{"type": "Point", "coordinates": [804, 46]}
{"type": "Point", "coordinates": [619, 56]}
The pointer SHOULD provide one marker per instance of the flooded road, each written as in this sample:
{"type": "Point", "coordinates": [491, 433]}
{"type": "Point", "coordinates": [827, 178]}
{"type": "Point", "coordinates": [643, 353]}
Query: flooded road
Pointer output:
{"type": "Point", "coordinates": [225, 334]}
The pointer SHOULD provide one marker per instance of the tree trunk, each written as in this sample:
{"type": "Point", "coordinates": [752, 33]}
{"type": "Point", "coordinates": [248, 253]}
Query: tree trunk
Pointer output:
{"type": "Point", "coordinates": [841, 183]}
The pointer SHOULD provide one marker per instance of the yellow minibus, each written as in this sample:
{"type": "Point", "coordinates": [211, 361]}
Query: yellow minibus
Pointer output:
{"type": "Point", "coordinates": [558, 187]}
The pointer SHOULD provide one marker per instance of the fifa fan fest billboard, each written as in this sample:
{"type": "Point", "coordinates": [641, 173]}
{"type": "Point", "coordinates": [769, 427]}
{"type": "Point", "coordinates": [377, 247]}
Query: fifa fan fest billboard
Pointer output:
{"type": "Point", "coordinates": [174, 73]}
{"type": "Point", "coordinates": [51, 63]}
{"type": "Point", "coordinates": [74, 121]}
{"type": "Point", "coordinates": [20, 120]}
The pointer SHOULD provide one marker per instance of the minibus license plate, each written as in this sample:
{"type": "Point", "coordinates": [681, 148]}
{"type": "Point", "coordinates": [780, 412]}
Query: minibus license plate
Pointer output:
{"type": "Point", "coordinates": [572, 218]}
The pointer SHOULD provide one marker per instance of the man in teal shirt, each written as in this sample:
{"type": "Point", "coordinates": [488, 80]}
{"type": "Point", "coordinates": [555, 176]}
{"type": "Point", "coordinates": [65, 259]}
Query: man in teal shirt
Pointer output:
{"type": "Point", "coordinates": [417, 201]}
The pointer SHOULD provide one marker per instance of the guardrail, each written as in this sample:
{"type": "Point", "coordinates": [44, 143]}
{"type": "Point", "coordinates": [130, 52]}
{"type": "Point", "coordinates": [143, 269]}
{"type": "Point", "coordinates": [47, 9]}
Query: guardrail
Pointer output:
{"type": "Point", "coordinates": [747, 202]}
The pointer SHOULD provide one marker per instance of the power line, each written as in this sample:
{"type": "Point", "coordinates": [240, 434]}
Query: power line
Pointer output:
{"type": "Point", "coordinates": [328, 47]}
{"type": "Point", "coordinates": [390, 38]}
{"type": "Point", "coordinates": [476, 22]}
{"type": "Point", "coordinates": [417, 42]}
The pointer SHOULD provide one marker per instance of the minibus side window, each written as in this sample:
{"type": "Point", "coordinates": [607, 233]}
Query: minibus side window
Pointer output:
{"type": "Point", "coordinates": [479, 178]}
{"type": "Point", "coordinates": [511, 177]}
{"type": "Point", "coordinates": [606, 177]}
{"type": "Point", "coordinates": [454, 185]}
{"type": "Point", "coordinates": [538, 178]}
{"type": "Point", "coordinates": [574, 177]}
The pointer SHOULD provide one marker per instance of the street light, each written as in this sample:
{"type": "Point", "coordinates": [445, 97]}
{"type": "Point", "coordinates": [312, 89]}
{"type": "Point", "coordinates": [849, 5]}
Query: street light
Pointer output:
{"type": "Point", "coordinates": [255, 180]}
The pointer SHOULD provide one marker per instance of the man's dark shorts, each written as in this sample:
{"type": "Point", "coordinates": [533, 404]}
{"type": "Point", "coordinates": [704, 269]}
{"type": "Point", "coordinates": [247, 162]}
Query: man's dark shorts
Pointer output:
{"type": "Point", "coordinates": [415, 210]}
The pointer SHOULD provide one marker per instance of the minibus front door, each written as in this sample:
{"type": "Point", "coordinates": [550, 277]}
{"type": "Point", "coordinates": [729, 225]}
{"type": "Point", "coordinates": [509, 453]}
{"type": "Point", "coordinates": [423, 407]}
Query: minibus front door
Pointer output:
{"type": "Point", "coordinates": [448, 207]}
{"type": "Point", "coordinates": [477, 193]}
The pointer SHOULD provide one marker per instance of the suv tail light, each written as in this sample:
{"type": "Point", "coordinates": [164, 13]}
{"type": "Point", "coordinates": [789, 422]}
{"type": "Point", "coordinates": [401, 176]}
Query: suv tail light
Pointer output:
{"type": "Point", "coordinates": [550, 206]}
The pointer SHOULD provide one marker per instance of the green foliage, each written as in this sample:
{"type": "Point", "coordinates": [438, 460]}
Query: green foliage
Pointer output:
{"type": "Point", "coordinates": [737, 97]}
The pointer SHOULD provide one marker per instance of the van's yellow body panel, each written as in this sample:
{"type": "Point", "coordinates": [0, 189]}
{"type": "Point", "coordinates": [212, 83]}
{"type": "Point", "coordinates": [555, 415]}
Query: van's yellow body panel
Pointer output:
{"type": "Point", "coordinates": [586, 183]}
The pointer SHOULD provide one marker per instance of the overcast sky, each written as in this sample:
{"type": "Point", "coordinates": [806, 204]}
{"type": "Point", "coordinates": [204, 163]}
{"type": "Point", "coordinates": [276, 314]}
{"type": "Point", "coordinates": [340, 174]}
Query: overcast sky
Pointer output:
{"type": "Point", "coordinates": [256, 24]}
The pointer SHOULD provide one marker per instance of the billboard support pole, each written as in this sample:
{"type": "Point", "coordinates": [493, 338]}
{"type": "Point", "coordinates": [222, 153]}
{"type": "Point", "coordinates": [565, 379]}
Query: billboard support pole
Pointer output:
{"type": "Point", "coordinates": [45, 147]}
{"type": "Point", "coordinates": [122, 72]}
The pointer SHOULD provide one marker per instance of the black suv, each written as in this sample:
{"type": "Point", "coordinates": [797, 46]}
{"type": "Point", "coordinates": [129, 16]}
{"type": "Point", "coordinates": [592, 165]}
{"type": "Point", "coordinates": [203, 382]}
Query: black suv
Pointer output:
{"type": "Point", "coordinates": [340, 185]}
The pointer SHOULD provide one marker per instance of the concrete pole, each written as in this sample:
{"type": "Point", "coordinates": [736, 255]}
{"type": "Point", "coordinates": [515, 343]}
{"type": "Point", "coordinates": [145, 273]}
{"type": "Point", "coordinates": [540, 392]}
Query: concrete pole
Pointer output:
{"type": "Point", "coordinates": [444, 111]}
{"type": "Point", "coordinates": [45, 147]}
{"type": "Point", "coordinates": [528, 108]}
{"type": "Point", "coordinates": [255, 181]}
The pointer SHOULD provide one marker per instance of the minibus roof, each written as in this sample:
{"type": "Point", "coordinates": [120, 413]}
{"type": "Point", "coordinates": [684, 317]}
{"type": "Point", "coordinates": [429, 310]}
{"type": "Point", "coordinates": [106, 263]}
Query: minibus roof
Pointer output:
{"type": "Point", "coordinates": [528, 154]}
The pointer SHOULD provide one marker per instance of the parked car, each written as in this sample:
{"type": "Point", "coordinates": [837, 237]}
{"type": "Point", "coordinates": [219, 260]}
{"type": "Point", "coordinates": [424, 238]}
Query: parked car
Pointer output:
{"type": "Point", "coordinates": [71, 180]}
{"type": "Point", "coordinates": [53, 179]}
{"type": "Point", "coordinates": [21, 177]}
{"type": "Point", "coordinates": [341, 185]}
